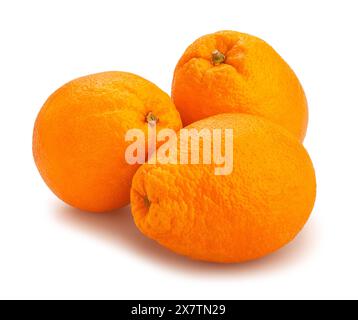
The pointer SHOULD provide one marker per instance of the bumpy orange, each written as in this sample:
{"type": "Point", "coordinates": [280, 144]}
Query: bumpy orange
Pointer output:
{"type": "Point", "coordinates": [230, 71]}
{"type": "Point", "coordinates": [79, 136]}
{"type": "Point", "coordinates": [246, 215]}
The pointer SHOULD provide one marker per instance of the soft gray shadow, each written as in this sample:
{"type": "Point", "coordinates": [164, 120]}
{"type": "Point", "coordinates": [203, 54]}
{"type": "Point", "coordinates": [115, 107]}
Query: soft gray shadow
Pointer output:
{"type": "Point", "coordinates": [118, 228]}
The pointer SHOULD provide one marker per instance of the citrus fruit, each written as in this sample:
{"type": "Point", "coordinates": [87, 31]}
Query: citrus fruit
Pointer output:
{"type": "Point", "coordinates": [79, 136]}
{"type": "Point", "coordinates": [257, 209]}
{"type": "Point", "coordinates": [229, 72]}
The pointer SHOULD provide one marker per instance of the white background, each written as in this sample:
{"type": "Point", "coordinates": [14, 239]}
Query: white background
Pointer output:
{"type": "Point", "coordinates": [48, 250]}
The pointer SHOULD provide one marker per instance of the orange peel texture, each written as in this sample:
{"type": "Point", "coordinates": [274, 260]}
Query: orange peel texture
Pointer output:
{"type": "Point", "coordinates": [229, 72]}
{"type": "Point", "coordinates": [79, 137]}
{"type": "Point", "coordinates": [246, 215]}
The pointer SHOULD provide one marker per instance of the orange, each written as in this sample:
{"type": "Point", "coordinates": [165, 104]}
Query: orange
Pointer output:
{"type": "Point", "coordinates": [257, 209]}
{"type": "Point", "coordinates": [79, 136]}
{"type": "Point", "coordinates": [229, 72]}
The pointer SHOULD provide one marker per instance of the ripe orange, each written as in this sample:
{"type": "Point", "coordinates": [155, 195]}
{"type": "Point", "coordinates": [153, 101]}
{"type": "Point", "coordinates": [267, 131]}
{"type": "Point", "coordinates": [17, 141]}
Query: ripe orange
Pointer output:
{"type": "Point", "coordinates": [79, 136]}
{"type": "Point", "coordinates": [254, 211]}
{"type": "Point", "coordinates": [230, 71]}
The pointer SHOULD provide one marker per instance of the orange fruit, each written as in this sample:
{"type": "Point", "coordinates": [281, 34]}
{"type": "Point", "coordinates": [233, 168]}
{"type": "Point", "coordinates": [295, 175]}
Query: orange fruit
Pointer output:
{"type": "Point", "coordinates": [261, 206]}
{"type": "Point", "coordinates": [229, 72]}
{"type": "Point", "coordinates": [79, 136]}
